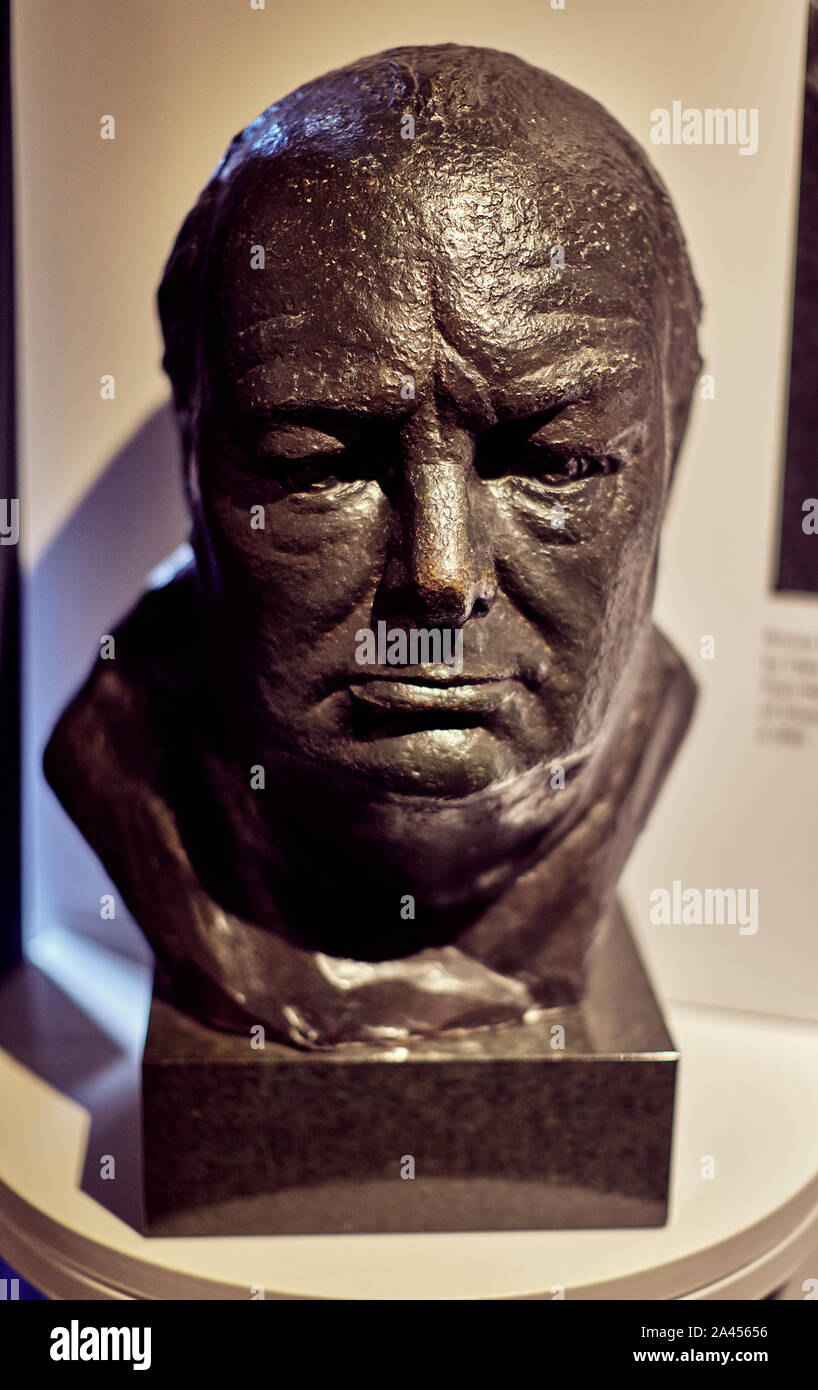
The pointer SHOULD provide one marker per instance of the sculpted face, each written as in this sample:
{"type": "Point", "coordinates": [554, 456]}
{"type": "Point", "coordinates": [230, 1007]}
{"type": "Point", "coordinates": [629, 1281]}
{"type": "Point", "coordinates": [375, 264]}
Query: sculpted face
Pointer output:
{"type": "Point", "coordinates": [431, 329]}
{"type": "Point", "coordinates": [445, 426]}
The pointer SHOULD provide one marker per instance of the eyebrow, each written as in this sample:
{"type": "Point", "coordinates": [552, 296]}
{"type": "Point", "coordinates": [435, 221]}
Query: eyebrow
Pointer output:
{"type": "Point", "coordinates": [559, 384]}
{"type": "Point", "coordinates": [379, 408]}
{"type": "Point", "coordinates": [564, 385]}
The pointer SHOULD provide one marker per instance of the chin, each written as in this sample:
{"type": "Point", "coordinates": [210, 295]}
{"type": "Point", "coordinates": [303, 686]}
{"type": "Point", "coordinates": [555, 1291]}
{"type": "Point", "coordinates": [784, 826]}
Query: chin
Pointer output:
{"type": "Point", "coordinates": [438, 764]}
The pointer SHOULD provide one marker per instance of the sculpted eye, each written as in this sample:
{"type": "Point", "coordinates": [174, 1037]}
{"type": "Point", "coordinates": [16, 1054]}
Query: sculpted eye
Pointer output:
{"type": "Point", "coordinates": [553, 455]}
{"type": "Point", "coordinates": [305, 460]}
{"type": "Point", "coordinates": [305, 476]}
{"type": "Point", "coordinates": [299, 442]}
{"type": "Point", "coordinates": [560, 466]}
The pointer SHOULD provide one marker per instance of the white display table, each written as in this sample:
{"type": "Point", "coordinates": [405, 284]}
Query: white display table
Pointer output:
{"type": "Point", "coordinates": [72, 1027]}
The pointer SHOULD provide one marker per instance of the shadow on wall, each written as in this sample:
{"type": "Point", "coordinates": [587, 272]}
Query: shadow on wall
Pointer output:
{"type": "Point", "coordinates": [87, 579]}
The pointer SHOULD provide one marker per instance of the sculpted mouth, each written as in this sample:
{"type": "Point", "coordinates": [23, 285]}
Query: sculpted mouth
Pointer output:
{"type": "Point", "coordinates": [449, 695]}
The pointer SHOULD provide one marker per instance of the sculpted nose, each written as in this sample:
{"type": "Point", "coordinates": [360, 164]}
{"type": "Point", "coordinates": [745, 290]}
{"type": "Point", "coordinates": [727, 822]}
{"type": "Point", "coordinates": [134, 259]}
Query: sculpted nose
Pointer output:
{"type": "Point", "coordinates": [441, 569]}
{"type": "Point", "coordinates": [449, 576]}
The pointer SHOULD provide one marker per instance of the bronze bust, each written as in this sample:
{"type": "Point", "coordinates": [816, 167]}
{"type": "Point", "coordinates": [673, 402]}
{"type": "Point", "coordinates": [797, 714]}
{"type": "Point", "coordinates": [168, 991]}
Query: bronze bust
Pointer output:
{"type": "Point", "coordinates": [369, 767]}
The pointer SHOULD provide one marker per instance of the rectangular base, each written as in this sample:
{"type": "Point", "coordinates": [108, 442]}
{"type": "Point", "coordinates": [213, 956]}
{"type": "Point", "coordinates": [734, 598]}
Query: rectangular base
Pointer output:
{"type": "Point", "coordinates": [492, 1131]}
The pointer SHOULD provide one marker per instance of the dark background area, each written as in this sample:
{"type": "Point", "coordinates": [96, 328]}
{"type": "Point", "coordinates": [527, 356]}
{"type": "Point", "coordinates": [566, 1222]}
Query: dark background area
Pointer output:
{"type": "Point", "coordinates": [798, 551]}
{"type": "Point", "coordinates": [9, 570]}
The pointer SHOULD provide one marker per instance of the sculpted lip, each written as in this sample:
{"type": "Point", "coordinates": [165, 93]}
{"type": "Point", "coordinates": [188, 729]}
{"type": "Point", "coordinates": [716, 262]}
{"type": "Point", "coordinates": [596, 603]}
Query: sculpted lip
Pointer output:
{"type": "Point", "coordinates": [476, 696]}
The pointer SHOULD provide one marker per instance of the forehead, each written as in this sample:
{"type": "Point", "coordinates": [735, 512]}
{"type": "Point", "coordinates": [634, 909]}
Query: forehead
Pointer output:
{"type": "Point", "coordinates": [504, 261]}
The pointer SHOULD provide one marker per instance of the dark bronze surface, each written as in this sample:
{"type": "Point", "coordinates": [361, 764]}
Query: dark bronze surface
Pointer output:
{"type": "Point", "coordinates": [453, 394]}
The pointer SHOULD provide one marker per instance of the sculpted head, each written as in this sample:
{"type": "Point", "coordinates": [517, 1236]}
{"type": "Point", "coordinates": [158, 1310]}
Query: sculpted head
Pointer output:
{"type": "Point", "coordinates": [431, 329]}
{"type": "Point", "coordinates": [432, 334]}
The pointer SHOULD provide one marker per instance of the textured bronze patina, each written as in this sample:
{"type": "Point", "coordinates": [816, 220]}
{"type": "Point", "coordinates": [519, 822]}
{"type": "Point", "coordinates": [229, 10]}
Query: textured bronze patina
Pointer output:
{"type": "Point", "coordinates": [431, 329]}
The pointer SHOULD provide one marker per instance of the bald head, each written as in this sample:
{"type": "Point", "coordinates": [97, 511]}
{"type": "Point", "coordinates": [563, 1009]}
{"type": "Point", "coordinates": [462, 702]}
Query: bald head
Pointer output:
{"type": "Point", "coordinates": [443, 177]}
